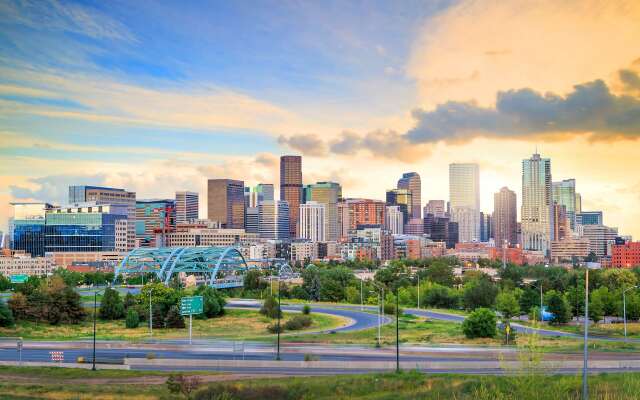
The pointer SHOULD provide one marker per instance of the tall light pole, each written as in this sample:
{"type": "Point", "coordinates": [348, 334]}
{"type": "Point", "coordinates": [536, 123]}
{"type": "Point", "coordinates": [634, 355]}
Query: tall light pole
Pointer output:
{"type": "Point", "coordinates": [361, 297]}
{"type": "Point", "coordinates": [585, 356]}
{"type": "Point", "coordinates": [279, 311]}
{"type": "Point", "coordinates": [380, 307]}
{"type": "Point", "coordinates": [397, 331]}
{"type": "Point", "coordinates": [418, 290]}
{"type": "Point", "coordinates": [95, 309]}
{"type": "Point", "coordinates": [624, 309]}
{"type": "Point", "coordinates": [150, 313]}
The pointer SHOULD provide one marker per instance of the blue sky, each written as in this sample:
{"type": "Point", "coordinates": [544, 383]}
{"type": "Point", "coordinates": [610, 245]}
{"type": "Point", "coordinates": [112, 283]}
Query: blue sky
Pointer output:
{"type": "Point", "coordinates": [158, 96]}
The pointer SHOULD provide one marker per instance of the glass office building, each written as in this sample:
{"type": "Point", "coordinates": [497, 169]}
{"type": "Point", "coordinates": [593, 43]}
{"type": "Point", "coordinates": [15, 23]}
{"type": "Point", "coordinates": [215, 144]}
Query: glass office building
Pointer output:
{"type": "Point", "coordinates": [28, 227]}
{"type": "Point", "coordinates": [85, 228]}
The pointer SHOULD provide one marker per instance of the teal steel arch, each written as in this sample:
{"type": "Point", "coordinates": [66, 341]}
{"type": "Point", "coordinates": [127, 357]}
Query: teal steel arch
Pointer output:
{"type": "Point", "coordinates": [221, 266]}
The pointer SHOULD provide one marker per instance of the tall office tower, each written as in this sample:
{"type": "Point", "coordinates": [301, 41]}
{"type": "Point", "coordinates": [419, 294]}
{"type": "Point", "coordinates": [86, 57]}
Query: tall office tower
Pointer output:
{"type": "Point", "coordinates": [537, 204]}
{"type": "Point", "coordinates": [394, 220]}
{"type": "Point", "coordinates": [411, 182]}
{"type": "Point", "coordinates": [401, 198]}
{"type": "Point", "coordinates": [225, 199]}
{"type": "Point", "coordinates": [273, 219]}
{"type": "Point", "coordinates": [107, 195]}
{"type": "Point", "coordinates": [464, 195]}
{"type": "Point", "coordinates": [28, 227]}
{"type": "Point", "coordinates": [291, 187]}
{"type": "Point", "coordinates": [443, 230]}
{"type": "Point", "coordinates": [327, 193]}
{"type": "Point", "coordinates": [601, 238]}
{"type": "Point", "coordinates": [486, 230]}
{"type": "Point", "coordinates": [505, 217]}
{"type": "Point", "coordinates": [86, 227]}
{"type": "Point", "coordinates": [254, 195]}
{"type": "Point", "coordinates": [186, 206]}
{"type": "Point", "coordinates": [154, 218]}
{"type": "Point", "coordinates": [354, 212]}
{"type": "Point", "coordinates": [437, 208]}
{"type": "Point", "coordinates": [313, 221]}
{"type": "Point", "coordinates": [561, 225]}
{"type": "Point", "coordinates": [252, 224]}
{"type": "Point", "coordinates": [564, 194]}
{"type": "Point", "coordinates": [578, 204]}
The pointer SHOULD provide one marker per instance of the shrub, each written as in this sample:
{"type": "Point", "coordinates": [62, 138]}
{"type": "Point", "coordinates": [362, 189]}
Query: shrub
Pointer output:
{"type": "Point", "coordinates": [129, 300]}
{"type": "Point", "coordinates": [310, 357]}
{"type": "Point", "coordinates": [390, 309]}
{"type": "Point", "coordinates": [480, 323]}
{"type": "Point", "coordinates": [298, 322]}
{"type": "Point", "coordinates": [111, 306]}
{"type": "Point", "coordinates": [306, 309]}
{"type": "Point", "coordinates": [270, 308]}
{"type": "Point", "coordinates": [133, 320]}
{"type": "Point", "coordinates": [273, 328]}
{"type": "Point", "coordinates": [213, 302]}
{"type": "Point", "coordinates": [150, 355]}
{"type": "Point", "coordinates": [180, 384]}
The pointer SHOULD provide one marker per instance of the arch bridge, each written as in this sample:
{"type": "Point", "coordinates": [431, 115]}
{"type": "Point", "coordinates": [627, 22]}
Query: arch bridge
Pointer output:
{"type": "Point", "coordinates": [222, 267]}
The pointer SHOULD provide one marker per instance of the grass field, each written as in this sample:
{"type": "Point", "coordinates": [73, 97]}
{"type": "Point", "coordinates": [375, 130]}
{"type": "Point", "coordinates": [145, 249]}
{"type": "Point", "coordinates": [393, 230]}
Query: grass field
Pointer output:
{"type": "Point", "coordinates": [235, 324]}
{"type": "Point", "coordinates": [47, 383]}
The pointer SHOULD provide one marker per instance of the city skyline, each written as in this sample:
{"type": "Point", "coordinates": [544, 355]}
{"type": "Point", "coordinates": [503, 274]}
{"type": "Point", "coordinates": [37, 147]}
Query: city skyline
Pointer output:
{"type": "Point", "coordinates": [156, 116]}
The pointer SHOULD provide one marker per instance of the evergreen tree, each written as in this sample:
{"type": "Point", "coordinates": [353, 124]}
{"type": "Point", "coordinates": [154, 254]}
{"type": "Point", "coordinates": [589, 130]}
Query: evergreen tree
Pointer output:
{"type": "Point", "coordinates": [6, 316]}
{"type": "Point", "coordinates": [213, 302]}
{"type": "Point", "coordinates": [129, 300]}
{"type": "Point", "coordinates": [174, 319]}
{"type": "Point", "coordinates": [111, 306]}
{"type": "Point", "coordinates": [558, 306]}
{"type": "Point", "coordinates": [133, 320]}
{"type": "Point", "coordinates": [158, 317]}
{"type": "Point", "coordinates": [270, 307]}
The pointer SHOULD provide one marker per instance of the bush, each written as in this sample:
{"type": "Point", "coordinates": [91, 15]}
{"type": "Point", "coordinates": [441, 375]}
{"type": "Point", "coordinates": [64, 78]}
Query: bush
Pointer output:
{"type": "Point", "coordinates": [306, 309]}
{"type": "Point", "coordinates": [6, 316]}
{"type": "Point", "coordinates": [480, 323]}
{"type": "Point", "coordinates": [180, 384]}
{"type": "Point", "coordinates": [111, 306]}
{"type": "Point", "coordinates": [270, 308]}
{"type": "Point", "coordinates": [133, 320]}
{"type": "Point", "coordinates": [213, 302]}
{"type": "Point", "coordinates": [390, 309]}
{"type": "Point", "coordinates": [273, 328]}
{"type": "Point", "coordinates": [298, 322]}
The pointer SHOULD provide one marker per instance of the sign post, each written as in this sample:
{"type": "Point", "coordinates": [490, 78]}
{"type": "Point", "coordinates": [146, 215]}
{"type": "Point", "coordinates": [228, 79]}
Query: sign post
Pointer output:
{"type": "Point", "coordinates": [189, 306]}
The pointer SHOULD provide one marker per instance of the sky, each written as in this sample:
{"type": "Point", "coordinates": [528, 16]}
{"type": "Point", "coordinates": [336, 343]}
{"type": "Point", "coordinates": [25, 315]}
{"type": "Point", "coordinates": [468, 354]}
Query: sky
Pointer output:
{"type": "Point", "coordinates": [160, 96]}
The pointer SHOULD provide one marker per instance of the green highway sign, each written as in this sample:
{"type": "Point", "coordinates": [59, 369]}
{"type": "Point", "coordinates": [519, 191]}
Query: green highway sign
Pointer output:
{"type": "Point", "coordinates": [19, 278]}
{"type": "Point", "coordinates": [191, 305]}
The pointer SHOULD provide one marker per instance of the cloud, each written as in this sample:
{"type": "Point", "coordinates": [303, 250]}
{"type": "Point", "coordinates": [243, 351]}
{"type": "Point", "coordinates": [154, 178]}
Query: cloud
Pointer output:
{"type": "Point", "coordinates": [307, 144]}
{"type": "Point", "coordinates": [52, 15]}
{"type": "Point", "coordinates": [54, 188]}
{"type": "Point", "coordinates": [590, 108]}
{"type": "Point", "coordinates": [630, 79]}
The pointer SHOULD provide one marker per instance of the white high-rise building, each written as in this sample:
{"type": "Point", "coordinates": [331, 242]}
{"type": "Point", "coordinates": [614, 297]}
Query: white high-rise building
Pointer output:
{"type": "Point", "coordinates": [312, 222]}
{"type": "Point", "coordinates": [186, 206]}
{"type": "Point", "coordinates": [393, 219]}
{"type": "Point", "coordinates": [273, 219]}
{"type": "Point", "coordinates": [464, 197]}
{"type": "Point", "coordinates": [537, 204]}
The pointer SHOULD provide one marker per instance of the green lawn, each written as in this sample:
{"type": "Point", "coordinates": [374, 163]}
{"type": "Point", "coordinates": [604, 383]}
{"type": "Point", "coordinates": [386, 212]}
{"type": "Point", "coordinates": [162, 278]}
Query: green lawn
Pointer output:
{"type": "Point", "coordinates": [235, 324]}
{"type": "Point", "coordinates": [406, 385]}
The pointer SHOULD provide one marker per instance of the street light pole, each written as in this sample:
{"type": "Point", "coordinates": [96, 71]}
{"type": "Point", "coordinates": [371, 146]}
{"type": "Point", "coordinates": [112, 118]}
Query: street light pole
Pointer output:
{"type": "Point", "coordinates": [397, 332]}
{"type": "Point", "coordinates": [150, 314]}
{"type": "Point", "coordinates": [624, 309]}
{"type": "Point", "coordinates": [279, 311]}
{"type": "Point", "coordinates": [95, 306]}
{"type": "Point", "coordinates": [418, 290]}
{"type": "Point", "coordinates": [361, 298]}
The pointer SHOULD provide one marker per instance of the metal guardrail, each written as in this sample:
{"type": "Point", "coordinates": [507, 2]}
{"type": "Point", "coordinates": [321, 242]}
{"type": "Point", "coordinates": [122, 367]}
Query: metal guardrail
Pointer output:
{"type": "Point", "coordinates": [19, 344]}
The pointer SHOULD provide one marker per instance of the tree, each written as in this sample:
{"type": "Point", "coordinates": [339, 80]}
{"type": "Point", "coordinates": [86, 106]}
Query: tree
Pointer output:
{"type": "Point", "coordinates": [133, 319]}
{"type": "Point", "coordinates": [158, 316]}
{"type": "Point", "coordinates": [480, 323]}
{"type": "Point", "coordinates": [311, 282]}
{"type": "Point", "coordinates": [5, 283]}
{"type": "Point", "coordinates": [479, 293]}
{"type": "Point", "coordinates": [174, 319]}
{"type": "Point", "coordinates": [18, 305]}
{"type": "Point", "coordinates": [111, 306]}
{"type": "Point", "coordinates": [333, 283]}
{"type": "Point", "coordinates": [558, 306]}
{"type": "Point", "coordinates": [129, 300]}
{"type": "Point", "coordinates": [213, 302]}
{"type": "Point", "coordinates": [507, 304]}
{"type": "Point", "coordinates": [441, 273]}
{"type": "Point", "coordinates": [441, 297]}
{"type": "Point", "coordinates": [529, 298]}
{"type": "Point", "coordinates": [6, 316]}
{"type": "Point", "coordinates": [270, 308]}
{"type": "Point", "coordinates": [596, 309]}
{"type": "Point", "coordinates": [252, 280]}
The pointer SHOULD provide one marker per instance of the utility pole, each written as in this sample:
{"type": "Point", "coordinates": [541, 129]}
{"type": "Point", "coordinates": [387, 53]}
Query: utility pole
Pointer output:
{"type": "Point", "coordinates": [397, 332]}
{"type": "Point", "coordinates": [279, 311]}
{"type": "Point", "coordinates": [585, 355]}
{"type": "Point", "coordinates": [150, 315]}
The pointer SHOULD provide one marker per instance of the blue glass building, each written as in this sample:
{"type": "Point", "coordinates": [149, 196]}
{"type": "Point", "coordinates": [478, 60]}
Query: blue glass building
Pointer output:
{"type": "Point", "coordinates": [27, 227]}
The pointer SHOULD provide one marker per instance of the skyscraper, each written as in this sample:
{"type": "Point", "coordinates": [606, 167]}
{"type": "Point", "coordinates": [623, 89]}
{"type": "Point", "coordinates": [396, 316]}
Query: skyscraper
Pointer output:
{"type": "Point", "coordinates": [486, 227]}
{"type": "Point", "coordinates": [564, 194]}
{"type": "Point", "coordinates": [401, 198]}
{"type": "Point", "coordinates": [273, 219]}
{"type": "Point", "coordinates": [505, 217]}
{"type": "Point", "coordinates": [394, 220]}
{"type": "Point", "coordinates": [291, 187]}
{"type": "Point", "coordinates": [537, 204]}
{"type": "Point", "coordinates": [313, 222]}
{"type": "Point", "coordinates": [225, 200]}
{"type": "Point", "coordinates": [186, 206]}
{"type": "Point", "coordinates": [411, 182]}
{"type": "Point", "coordinates": [464, 195]}
{"type": "Point", "coordinates": [437, 208]}
{"type": "Point", "coordinates": [254, 195]}
{"type": "Point", "coordinates": [153, 218]}
{"type": "Point", "coordinates": [28, 227]}
{"type": "Point", "coordinates": [327, 193]}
